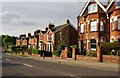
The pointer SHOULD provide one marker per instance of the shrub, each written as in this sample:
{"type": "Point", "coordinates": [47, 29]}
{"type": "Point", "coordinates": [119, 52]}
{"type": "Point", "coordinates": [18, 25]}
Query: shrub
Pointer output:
{"type": "Point", "coordinates": [57, 52]}
{"type": "Point", "coordinates": [92, 54]}
{"type": "Point", "coordinates": [35, 51]}
{"type": "Point", "coordinates": [83, 52]}
{"type": "Point", "coordinates": [108, 47]}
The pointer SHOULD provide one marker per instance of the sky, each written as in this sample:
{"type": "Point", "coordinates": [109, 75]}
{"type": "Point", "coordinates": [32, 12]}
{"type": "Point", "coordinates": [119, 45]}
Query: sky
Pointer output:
{"type": "Point", "coordinates": [26, 16]}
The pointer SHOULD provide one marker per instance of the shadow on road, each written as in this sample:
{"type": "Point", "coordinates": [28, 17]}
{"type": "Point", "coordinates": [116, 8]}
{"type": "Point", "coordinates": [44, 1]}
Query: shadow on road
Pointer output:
{"type": "Point", "coordinates": [10, 64]}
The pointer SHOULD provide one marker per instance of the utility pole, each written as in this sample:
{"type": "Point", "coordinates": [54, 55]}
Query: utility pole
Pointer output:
{"type": "Point", "coordinates": [99, 52]}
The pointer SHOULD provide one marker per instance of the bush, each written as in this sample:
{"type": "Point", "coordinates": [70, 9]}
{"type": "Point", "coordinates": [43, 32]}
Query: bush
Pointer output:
{"type": "Point", "coordinates": [108, 47]}
{"type": "Point", "coordinates": [35, 51]}
{"type": "Point", "coordinates": [92, 54]}
{"type": "Point", "coordinates": [57, 52]}
{"type": "Point", "coordinates": [83, 52]}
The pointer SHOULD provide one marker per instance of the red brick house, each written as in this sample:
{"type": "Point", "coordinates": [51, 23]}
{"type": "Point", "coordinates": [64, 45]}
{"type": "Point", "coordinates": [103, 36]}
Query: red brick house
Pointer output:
{"type": "Point", "coordinates": [94, 25]}
{"type": "Point", "coordinates": [55, 36]}
{"type": "Point", "coordinates": [18, 41]}
{"type": "Point", "coordinates": [42, 40]}
{"type": "Point", "coordinates": [114, 14]}
{"type": "Point", "coordinates": [22, 40]}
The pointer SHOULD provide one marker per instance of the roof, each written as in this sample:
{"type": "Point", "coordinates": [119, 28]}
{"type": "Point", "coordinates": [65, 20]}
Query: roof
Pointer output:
{"type": "Point", "coordinates": [87, 3]}
{"type": "Point", "coordinates": [43, 31]}
{"type": "Point", "coordinates": [109, 5]}
{"type": "Point", "coordinates": [60, 27]}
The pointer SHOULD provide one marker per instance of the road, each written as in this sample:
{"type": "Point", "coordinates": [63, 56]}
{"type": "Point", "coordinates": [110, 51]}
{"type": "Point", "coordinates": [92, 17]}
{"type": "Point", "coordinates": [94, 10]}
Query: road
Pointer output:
{"type": "Point", "coordinates": [21, 66]}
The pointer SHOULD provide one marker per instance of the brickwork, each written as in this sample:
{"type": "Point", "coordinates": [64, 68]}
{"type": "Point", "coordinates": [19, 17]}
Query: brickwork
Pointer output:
{"type": "Point", "coordinates": [86, 18]}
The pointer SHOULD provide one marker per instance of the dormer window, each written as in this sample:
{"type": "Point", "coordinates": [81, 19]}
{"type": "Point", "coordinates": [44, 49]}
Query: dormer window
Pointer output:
{"type": "Point", "coordinates": [92, 8]}
{"type": "Point", "coordinates": [118, 4]}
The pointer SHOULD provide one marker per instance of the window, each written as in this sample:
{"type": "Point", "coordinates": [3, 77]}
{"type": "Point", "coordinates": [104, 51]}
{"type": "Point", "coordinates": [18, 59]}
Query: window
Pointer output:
{"type": "Point", "coordinates": [93, 44]}
{"type": "Point", "coordinates": [113, 25]}
{"type": "Point", "coordinates": [40, 46]}
{"type": "Point", "coordinates": [82, 28]}
{"type": "Point", "coordinates": [92, 8]}
{"type": "Point", "coordinates": [49, 47]}
{"type": "Point", "coordinates": [119, 24]}
{"type": "Point", "coordinates": [93, 26]}
{"type": "Point", "coordinates": [118, 4]}
{"type": "Point", "coordinates": [49, 38]}
{"type": "Point", "coordinates": [101, 26]}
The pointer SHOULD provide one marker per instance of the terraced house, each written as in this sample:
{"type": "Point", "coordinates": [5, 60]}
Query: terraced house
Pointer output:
{"type": "Point", "coordinates": [57, 36]}
{"type": "Point", "coordinates": [53, 38]}
{"type": "Point", "coordinates": [22, 40]}
{"type": "Point", "coordinates": [97, 23]}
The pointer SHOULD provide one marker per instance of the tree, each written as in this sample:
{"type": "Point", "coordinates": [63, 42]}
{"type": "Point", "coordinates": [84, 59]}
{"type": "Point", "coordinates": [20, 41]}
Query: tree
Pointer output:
{"type": "Point", "coordinates": [6, 40]}
{"type": "Point", "coordinates": [9, 40]}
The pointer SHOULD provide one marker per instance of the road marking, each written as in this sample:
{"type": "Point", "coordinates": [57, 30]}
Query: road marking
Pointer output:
{"type": "Point", "coordinates": [74, 76]}
{"type": "Point", "coordinates": [8, 59]}
{"type": "Point", "coordinates": [27, 65]}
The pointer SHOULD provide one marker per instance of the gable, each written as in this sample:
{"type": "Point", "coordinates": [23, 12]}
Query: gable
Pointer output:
{"type": "Point", "coordinates": [88, 3]}
{"type": "Point", "coordinates": [109, 5]}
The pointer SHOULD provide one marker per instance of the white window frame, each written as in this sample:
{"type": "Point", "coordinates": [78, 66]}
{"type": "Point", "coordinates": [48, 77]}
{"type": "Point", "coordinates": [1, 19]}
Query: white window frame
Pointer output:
{"type": "Point", "coordinates": [119, 3]}
{"type": "Point", "coordinates": [93, 26]}
{"type": "Point", "coordinates": [119, 24]}
{"type": "Point", "coordinates": [40, 46]}
{"type": "Point", "coordinates": [101, 26]}
{"type": "Point", "coordinates": [48, 47]}
{"type": "Point", "coordinates": [82, 28]}
{"type": "Point", "coordinates": [92, 8]}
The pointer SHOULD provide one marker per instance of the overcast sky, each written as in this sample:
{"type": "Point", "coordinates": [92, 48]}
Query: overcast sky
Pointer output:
{"type": "Point", "coordinates": [25, 17]}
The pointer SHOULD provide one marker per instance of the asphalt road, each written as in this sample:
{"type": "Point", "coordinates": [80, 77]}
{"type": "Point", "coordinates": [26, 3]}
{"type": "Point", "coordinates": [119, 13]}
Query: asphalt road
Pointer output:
{"type": "Point", "coordinates": [20, 66]}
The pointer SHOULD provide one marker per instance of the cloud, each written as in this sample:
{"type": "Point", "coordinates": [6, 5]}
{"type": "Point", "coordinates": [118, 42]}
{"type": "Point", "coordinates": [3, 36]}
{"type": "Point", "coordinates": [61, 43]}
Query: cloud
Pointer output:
{"type": "Point", "coordinates": [24, 17]}
{"type": "Point", "coordinates": [9, 17]}
{"type": "Point", "coordinates": [15, 18]}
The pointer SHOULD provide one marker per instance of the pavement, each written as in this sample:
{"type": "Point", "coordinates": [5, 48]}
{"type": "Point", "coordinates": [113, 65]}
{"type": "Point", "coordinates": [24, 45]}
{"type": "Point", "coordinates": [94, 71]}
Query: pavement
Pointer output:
{"type": "Point", "coordinates": [78, 63]}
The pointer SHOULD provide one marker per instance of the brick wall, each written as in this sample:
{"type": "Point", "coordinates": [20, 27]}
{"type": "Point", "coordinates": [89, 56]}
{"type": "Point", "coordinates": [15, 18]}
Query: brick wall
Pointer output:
{"type": "Point", "coordinates": [106, 58]}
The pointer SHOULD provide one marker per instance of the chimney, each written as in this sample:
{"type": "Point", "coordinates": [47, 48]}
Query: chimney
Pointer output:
{"type": "Point", "coordinates": [46, 28]}
{"type": "Point", "coordinates": [51, 25]}
{"type": "Point", "coordinates": [109, 1]}
{"type": "Point", "coordinates": [68, 21]}
{"type": "Point", "coordinates": [29, 34]}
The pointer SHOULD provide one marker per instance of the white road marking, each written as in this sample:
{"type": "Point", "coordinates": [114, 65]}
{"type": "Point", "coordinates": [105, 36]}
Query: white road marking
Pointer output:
{"type": "Point", "coordinates": [8, 59]}
{"type": "Point", "coordinates": [27, 65]}
{"type": "Point", "coordinates": [75, 76]}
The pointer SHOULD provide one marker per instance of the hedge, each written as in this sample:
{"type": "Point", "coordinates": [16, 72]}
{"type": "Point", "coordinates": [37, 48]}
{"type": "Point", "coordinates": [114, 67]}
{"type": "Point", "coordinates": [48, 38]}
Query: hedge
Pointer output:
{"type": "Point", "coordinates": [56, 53]}
{"type": "Point", "coordinates": [107, 47]}
{"type": "Point", "coordinates": [35, 51]}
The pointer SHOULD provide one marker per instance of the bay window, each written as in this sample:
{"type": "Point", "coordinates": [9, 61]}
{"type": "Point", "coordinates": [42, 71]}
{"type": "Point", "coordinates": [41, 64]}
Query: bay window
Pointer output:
{"type": "Point", "coordinates": [82, 28]}
{"type": "Point", "coordinates": [92, 8]}
{"type": "Point", "coordinates": [93, 25]}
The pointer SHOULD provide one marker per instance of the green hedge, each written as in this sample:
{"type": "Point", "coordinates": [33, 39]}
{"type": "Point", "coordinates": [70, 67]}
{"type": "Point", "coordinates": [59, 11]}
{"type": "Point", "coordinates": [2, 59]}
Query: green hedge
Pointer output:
{"type": "Point", "coordinates": [107, 47]}
{"type": "Point", "coordinates": [35, 51]}
{"type": "Point", "coordinates": [57, 52]}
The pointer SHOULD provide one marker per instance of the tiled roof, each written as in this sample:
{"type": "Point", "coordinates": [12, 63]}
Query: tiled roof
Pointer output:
{"type": "Point", "coordinates": [59, 27]}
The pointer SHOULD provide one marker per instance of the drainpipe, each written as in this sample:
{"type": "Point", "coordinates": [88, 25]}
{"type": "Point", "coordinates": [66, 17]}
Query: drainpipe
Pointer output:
{"type": "Point", "coordinates": [108, 32]}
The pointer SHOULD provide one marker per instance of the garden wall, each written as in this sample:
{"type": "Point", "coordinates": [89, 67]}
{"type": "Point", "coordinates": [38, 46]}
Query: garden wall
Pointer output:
{"type": "Point", "coordinates": [106, 58]}
{"type": "Point", "coordinates": [111, 58]}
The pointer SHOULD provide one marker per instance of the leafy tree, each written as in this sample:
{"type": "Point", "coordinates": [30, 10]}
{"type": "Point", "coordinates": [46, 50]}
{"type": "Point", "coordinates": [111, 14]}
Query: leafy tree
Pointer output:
{"type": "Point", "coordinates": [8, 40]}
